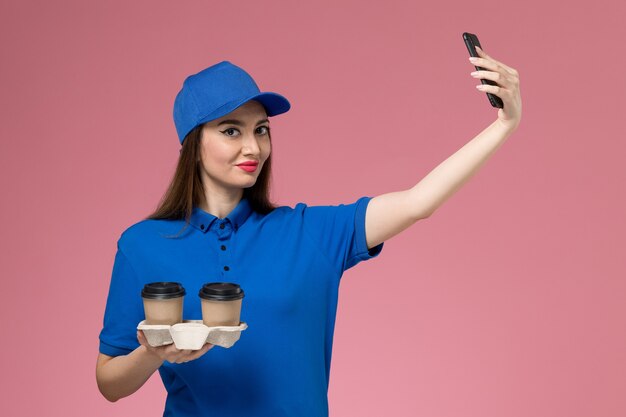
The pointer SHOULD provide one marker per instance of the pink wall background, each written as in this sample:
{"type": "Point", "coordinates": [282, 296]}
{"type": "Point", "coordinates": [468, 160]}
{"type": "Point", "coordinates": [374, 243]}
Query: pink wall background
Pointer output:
{"type": "Point", "coordinates": [510, 299]}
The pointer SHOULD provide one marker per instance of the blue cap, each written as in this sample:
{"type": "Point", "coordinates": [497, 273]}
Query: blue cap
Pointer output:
{"type": "Point", "coordinates": [216, 91]}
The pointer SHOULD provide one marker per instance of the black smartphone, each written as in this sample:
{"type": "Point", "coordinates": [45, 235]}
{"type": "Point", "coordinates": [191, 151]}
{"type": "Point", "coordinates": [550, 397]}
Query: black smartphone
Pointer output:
{"type": "Point", "coordinates": [471, 41]}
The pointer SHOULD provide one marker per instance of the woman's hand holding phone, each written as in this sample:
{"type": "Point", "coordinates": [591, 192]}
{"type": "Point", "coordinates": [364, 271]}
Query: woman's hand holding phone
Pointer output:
{"type": "Point", "coordinates": [505, 85]}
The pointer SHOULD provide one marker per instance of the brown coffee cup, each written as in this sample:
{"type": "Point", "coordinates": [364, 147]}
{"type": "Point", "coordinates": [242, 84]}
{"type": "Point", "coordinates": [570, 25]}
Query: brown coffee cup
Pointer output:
{"type": "Point", "coordinates": [221, 304]}
{"type": "Point", "coordinates": [163, 302]}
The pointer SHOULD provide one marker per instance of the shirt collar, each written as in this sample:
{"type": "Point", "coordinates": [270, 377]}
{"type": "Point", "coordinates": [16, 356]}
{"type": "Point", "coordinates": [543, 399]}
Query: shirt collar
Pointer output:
{"type": "Point", "coordinates": [202, 220]}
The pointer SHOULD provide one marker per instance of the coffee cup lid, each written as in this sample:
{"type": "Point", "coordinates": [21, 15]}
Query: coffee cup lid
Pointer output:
{"type": "Point", "coordinates": [221, 291]}
{"type": "Point", "coordinates": [162, 290]}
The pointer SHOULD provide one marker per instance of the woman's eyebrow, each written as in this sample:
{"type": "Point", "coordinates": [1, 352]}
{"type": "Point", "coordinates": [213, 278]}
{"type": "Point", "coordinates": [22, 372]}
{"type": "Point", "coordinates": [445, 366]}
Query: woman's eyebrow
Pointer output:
{"type": "Point", "coordinates": [238, 122]}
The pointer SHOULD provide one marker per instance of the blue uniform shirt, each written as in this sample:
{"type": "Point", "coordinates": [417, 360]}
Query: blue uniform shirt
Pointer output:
{"type": "Point", "coordinates": [289, 264]}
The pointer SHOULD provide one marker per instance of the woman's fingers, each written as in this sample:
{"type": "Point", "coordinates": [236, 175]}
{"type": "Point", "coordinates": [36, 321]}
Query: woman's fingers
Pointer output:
{"type": "Point", "coordinates": [503, 75]}
{"type": "Point", "coordinates": [490, 75]}
{"type": "Point", "coordinates": [508, 81]}
{"type": "Point", "coordinates": [484, 56]}
{"type": "Point", "coordinates": [195, 354]}
{"type": "Point", "coordinates": [507, 86]}
{"type": "Point", "coordinates": [493, 89]}
{"type": "Point", "coordinates": [184, 356]}
{"type": "Point", "coordinates": [484, 63]}
{"type": "Point", "coordinates": [171, 353]}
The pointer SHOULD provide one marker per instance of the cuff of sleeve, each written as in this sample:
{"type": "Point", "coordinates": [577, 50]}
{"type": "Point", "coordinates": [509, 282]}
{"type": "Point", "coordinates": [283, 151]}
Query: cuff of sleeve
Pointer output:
{"type": "Point", "coordinates": [107, 349]}
{"type": "Point", "coordinates": [363, 253]}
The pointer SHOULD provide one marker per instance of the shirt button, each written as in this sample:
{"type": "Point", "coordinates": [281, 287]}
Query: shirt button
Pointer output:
{"type": "Point", "coordinates": [222, 226]}
{"type": "Point", "coordinates": [226, 268]}
{"type": "Point", "coordinates": [202, 226]}
{"type": "Point", "coordinates": [223, 247]}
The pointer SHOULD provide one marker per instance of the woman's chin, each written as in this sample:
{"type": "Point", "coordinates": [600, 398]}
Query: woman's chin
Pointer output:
{"type": "Point", "coordinates": [249, 183]}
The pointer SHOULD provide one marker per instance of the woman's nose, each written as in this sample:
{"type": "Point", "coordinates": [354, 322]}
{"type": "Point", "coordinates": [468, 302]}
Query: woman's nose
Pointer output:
{"type": "Point", "coordinates": [251, 145]}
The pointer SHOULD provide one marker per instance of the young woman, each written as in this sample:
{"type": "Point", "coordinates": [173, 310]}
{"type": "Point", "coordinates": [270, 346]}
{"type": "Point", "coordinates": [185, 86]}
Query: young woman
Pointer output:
{"type": "Point", "coordinates": [216, 223]}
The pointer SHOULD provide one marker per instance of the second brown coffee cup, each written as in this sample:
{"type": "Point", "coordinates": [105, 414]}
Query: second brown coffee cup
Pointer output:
{"type": "Point", "coordinates": [163, 302]}
{"type": "Point", "coordinates": [221, 304]}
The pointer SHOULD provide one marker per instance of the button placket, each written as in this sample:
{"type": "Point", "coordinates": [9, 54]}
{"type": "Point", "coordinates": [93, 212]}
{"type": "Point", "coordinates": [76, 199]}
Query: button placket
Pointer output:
{"type": "Point", "coordinates": [224, 233]}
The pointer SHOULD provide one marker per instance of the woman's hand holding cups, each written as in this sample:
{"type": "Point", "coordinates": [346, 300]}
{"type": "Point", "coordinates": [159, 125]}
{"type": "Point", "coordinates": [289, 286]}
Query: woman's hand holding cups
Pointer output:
{"type": "Point", "coordinates": [170, 353]}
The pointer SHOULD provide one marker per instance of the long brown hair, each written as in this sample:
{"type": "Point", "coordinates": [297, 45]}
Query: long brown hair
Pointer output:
{"type": "Point", "coordinates": [186, 190]}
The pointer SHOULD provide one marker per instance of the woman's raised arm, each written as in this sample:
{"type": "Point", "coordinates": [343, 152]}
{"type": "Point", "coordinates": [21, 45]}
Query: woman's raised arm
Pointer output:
{"type": "Point", "coordinates": [389, 214]}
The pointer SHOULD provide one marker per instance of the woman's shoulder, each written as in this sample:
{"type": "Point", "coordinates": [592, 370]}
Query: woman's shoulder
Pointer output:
{"type": "Point", "coordinates": [145, 229]}
{"type": "Point", "coordinates": [305, 212]}
{"type": "Point", "coordinates": [283, 211]}
{"type": "Point", "coordinates": [300, 207]}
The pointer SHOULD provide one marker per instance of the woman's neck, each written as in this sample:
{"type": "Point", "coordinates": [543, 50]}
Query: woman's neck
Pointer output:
{"type": "Point", "coordinates": [221, 204]}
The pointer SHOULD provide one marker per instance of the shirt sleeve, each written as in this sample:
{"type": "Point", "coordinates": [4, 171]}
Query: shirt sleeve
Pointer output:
{"type": "Point", "coordinates": [124, 309]}
{"type": "Point", "coordinates": [340, 232]}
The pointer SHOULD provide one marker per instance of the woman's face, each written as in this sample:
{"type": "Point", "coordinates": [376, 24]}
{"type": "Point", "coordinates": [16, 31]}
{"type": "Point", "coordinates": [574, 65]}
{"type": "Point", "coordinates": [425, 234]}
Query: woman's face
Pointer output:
{"type": "Point", "coordinates": [240, 137]}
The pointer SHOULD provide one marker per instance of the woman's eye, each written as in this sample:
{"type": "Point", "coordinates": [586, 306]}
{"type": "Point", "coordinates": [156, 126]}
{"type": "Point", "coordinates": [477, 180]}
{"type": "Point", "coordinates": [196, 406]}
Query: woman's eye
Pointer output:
{"type": "Point", "coordinates": [230, 131]}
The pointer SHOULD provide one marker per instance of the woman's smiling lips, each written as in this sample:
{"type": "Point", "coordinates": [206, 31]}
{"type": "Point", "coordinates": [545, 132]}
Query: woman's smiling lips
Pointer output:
{"type": "Point", "coordinates": [249, 166]}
